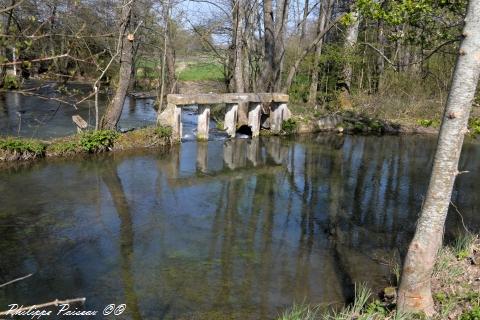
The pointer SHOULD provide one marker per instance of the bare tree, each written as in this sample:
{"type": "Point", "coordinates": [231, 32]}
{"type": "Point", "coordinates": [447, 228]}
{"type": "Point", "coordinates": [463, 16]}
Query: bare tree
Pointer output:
{"type": "Point", "coordinates": [325, 13]}
{"type": "Point", "coordinates": [415, 287]}
{"type": "Point", "coordinates": [114, 109]}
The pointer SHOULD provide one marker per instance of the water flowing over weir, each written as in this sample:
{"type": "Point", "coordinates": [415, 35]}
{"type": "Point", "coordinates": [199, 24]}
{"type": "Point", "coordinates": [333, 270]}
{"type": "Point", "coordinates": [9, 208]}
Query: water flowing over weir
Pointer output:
{"type": "Point", "coordinates": [236, 228]}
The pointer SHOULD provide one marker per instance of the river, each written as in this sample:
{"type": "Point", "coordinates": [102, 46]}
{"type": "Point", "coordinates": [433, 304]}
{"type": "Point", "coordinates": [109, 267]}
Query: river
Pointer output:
{"type": "Point", "coordinates": [229, 229]}
{"type": "Point", "coordinates": [39, 116]}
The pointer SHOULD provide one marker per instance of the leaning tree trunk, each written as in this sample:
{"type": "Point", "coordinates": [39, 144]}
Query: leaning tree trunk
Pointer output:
{"type": "Point", "coordinates": [415, 287]}
{"type": "Point", "coordinates": [114, 109]}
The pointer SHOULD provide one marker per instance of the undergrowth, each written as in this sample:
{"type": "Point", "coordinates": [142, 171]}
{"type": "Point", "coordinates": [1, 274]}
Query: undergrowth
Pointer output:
{"type": "Point", "coordinates": [22, 145]}
{"type": "Point", "coordinates": [289, 126]}
{"type": "Point", "coordinates": [455, 287]}
{"type": "Point", "coordinates": [15, 148]}
{"type": "Point", "coordinates": [97, 141]}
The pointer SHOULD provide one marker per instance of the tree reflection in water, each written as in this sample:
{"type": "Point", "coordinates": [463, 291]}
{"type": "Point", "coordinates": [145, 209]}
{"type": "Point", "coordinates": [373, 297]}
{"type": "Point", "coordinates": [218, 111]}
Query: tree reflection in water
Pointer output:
{"type": "Point", "coordinates": [236, 228]}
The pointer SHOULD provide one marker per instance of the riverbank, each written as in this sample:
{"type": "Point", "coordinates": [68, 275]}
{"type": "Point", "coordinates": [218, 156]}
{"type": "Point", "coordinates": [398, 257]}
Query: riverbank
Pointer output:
{"type": "Point", "coordinates": [352, 123]}
{"type": "Point", "coordinates": [89, 142]}
{"type": "Point", "coordinates": [455, 287]}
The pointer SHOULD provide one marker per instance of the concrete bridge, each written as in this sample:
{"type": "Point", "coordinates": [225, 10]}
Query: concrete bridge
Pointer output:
{"type": "Point", "coordinates": [172, 115]}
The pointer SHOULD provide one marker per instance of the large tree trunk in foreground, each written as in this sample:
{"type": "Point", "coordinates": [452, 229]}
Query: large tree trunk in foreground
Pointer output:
{"type": "Point", "coordinates": [114, 109]}
{"type": "Point", "coordinates": [415, 287]}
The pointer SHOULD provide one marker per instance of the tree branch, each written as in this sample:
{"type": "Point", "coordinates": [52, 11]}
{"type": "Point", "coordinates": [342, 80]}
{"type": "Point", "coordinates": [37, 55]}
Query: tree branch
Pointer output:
{"type": "Point", "coordinates": [16, 280]}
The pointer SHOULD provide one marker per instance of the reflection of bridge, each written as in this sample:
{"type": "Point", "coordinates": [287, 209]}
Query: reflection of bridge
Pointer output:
{"type": "Point", "coordinates": [172, 115]}
{"type": "Point", "coordinates": [240, 156]}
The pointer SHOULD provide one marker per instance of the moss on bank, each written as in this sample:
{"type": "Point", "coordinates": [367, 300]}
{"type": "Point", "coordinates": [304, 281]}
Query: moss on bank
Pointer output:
{"type": "Point", "coordinates": [17, 149]}
{"type": "Point", "coordinates": [455, 286]}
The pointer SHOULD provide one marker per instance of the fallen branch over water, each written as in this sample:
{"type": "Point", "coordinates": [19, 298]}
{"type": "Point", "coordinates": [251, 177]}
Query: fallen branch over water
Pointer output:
{"type": "Point", "coordinates": [55, 303]}
{"type": "Point", "coordinates": [16, 280]}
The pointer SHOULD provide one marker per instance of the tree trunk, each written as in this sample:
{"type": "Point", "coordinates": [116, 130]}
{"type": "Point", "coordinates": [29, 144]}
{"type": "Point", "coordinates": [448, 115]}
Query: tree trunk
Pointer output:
{"type": "Point", "coordinates": [168, 85]}
{"type": "Point", "coordinates": [380, 63]}
{"type": "Point", "coordinates": [325, 11]}
{"type": "Point", "coordinates": [415, 287]}
{"type": "Point", "coordinates": [114, 109]}
{"type": "Point", "coordinates": [3, 48]}
{"type": "Point", "coordinates": [170, 60]}
{"type": "Point", "coordinates": [350, 43]}
{"type": "Point", "coordinates": [238, 19]}
{"type": "Point", "coordinates": [306, 50]}
{"type": "Point", "coordinates": [269, 46]}
{"type": "Point", "coordinates": [281, 17]}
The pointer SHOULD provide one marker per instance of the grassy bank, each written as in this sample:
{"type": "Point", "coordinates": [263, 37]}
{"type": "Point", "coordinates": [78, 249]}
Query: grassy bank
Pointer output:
{"type": "Point", "coordinates": [18, 149]}
{"type": "Point", "coordinates": [455, 286]}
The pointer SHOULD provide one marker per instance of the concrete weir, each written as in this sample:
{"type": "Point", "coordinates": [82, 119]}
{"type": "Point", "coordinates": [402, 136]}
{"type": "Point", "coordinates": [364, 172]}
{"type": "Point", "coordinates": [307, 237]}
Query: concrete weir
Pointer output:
{"type": "Point", "coordinates": [172, 115]}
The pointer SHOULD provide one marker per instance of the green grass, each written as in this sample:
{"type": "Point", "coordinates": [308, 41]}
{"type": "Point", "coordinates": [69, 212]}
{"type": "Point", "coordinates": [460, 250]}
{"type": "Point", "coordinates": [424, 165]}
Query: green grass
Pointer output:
{"type": "Point", "coordinates": [146, 69]}
{"type": "Point", "coordinates": [202, 72]}
{"type": "Point", "coordinates": [473, 314]}
{"type": "Point", "coordinates": [300, 312]}
{"type": "Point", "coordinates": [462, 245]}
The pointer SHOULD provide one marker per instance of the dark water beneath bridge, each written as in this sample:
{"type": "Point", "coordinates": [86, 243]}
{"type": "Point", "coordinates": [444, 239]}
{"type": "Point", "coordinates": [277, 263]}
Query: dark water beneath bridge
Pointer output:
{"type": "Point", "coordinates": [230, 229]}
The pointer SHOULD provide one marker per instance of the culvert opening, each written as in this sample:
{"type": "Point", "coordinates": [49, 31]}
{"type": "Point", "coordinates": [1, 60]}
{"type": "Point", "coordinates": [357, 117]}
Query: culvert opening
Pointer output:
{"type": "Point", "coordinates": [246, 130]}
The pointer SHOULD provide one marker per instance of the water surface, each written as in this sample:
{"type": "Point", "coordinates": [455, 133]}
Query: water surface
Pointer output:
{"type": "Point", "coordinates": [235, 229]}
{"type": "Point", "coordinates": [40, 117]}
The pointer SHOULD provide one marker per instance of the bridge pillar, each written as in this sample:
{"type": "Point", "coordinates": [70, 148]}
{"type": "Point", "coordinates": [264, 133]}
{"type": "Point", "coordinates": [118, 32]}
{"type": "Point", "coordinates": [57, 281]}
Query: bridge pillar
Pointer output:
{"type": "Point", "coordinates": [231, 115]}
{"type": "Point", "coordinates": [278, 113]}
{"type": "Point", "coordinates": [203, 122]}
{"type": "Point", "coordinates": [177, 126]}
{"type": "Point", "coordinates": [254, 114]}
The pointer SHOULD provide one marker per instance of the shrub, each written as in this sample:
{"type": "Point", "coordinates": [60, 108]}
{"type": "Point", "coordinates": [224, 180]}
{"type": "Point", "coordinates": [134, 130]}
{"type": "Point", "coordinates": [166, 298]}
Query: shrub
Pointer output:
{"type": "Point", "coordinates": [429, 123]}
{"type": "Point", "coordinates": [163, 131]}
{"type": "Point", "coordinates": [23, 146]}
{"type": "Point", "coordinates": [98, 141]}
{"type": "Point", "coordinates": [11, 82]}
{"type": "Point", "coordinates": [289, 126]}
{"type": "Point", "coordinates": [474, 125]}
{"type": "Point", "coordinates": [64, 147]}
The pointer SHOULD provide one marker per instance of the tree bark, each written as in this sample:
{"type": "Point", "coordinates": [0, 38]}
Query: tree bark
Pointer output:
{"type": "Point", "coordinates": [168, 85]}
{"type": "Point", "coordinates": [170, 59]}
{"type": "Point", "coordinates": [3, 48]}
{"type": "Point", "coordinates": [415, 287]}
{"type": "Point", "coordinates": [114, 109]}
{"type": "Point", "coordinates": [350, 43]}
{"type": "Point", "coordinates": [380, 63]}
{"type": "Point", "coordinates": [281, 17]}
{"type": "Point", "coordinates": [238, 19]}
{"type": "Point", "coordinates": [269, 46]}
